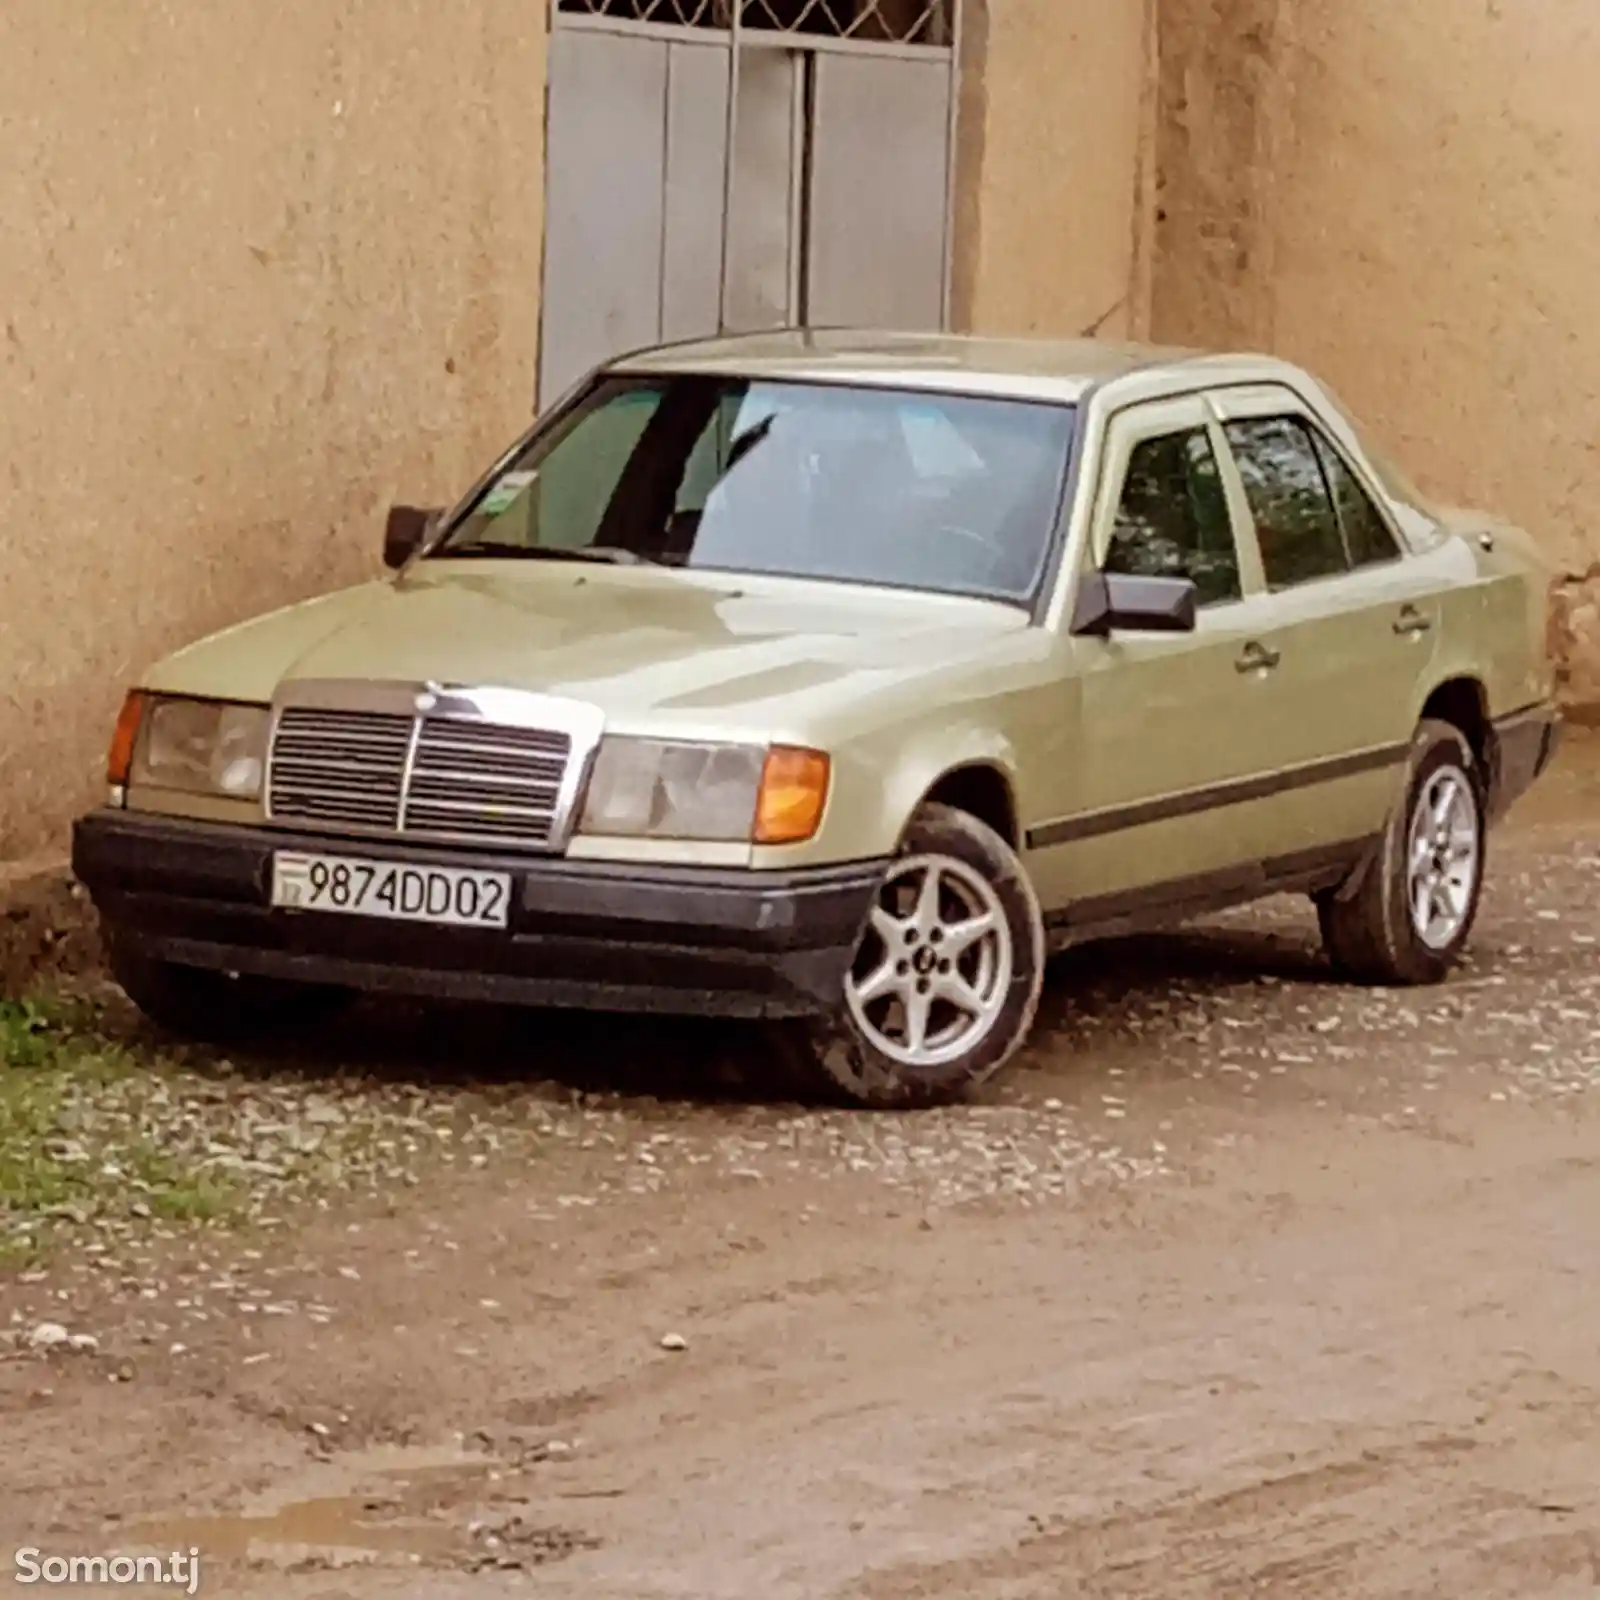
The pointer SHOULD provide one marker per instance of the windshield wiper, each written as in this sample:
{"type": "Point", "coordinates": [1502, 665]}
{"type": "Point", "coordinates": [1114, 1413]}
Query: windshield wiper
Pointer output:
{"type": "Point", "coordinates": [490, 549]}
{"type": "Point", "coordinates": [744, 444]}
{"type": "Point", "coordinates": [747, 441]}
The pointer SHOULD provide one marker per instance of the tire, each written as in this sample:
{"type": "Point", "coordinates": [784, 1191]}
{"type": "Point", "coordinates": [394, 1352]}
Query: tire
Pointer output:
{"type": "Point", "coordinates": [209, 1007]}
{"type": "Point", "coordinates": [868, 1051]}
{"type": "Point", "coordinates": [1374, 930]}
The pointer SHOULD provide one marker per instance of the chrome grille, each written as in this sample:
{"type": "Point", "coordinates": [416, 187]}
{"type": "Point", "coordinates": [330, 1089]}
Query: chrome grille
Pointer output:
{"type": "Point", "coordinates": [484, 780]}
{"type": "Point", "coordinates": [453, 778]}
{"type": "Point", "coordinates": [343, 768]}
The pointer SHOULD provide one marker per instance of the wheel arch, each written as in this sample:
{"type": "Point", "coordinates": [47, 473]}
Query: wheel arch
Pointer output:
{"type": "Point", "coordinates": [1463, 702]}
{"type": "Point", "coordinates": [983, 789]}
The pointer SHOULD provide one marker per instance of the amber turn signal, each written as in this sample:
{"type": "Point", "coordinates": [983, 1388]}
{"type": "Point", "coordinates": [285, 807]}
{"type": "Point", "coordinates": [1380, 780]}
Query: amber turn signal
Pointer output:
{"type": "Point", "coordinates": [119, 760]}
{"type": "Point", "coordinates": [794, 789]}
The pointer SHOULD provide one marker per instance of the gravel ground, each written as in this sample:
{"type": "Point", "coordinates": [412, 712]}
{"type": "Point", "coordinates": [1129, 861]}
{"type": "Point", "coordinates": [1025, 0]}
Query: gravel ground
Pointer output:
{"type": "Point", "coordinates": [644, 1333]}
{"type": "Point", "coordinates": [113, 1151]}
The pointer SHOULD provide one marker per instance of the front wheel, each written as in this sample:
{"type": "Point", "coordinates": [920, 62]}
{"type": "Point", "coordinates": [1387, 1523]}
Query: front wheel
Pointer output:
{"type": "Point", "coordinates": [1409, 918]}
{"type": "Point", "coordinates": [947, 973]}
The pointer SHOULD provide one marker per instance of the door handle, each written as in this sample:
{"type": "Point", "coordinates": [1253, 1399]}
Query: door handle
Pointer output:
{"type": "Point", "coordinates": [1411, 621]}
{"type": "Point", "coordinates": [1256, 657]}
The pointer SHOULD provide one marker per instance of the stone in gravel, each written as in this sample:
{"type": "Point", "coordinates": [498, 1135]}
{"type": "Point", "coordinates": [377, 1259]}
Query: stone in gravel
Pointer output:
{"type": "Point", "coordinates": [674, 1341]}
{"type": "Point", "coordinates": [48, 1336]}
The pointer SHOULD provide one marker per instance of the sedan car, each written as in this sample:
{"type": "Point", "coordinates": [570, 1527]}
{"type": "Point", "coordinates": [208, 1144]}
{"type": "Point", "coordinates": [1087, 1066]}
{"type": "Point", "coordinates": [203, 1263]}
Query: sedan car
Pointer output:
{"type": "Point", "coordinates": [836, 680]}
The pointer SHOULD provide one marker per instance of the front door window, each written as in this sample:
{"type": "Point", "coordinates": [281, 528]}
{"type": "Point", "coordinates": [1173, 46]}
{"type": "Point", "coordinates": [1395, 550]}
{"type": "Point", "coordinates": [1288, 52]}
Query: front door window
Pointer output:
{"type": "Point", "coordinates": [1172, 518]}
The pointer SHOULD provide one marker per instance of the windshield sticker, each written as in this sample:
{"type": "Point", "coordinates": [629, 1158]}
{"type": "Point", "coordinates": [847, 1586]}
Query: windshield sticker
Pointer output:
{"type": "Point", "coordinates": [501, 496]}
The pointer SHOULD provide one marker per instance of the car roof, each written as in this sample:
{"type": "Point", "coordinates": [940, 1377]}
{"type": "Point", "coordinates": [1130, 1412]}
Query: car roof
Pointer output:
{"type": "Point", "coordinates": [1059, 370]}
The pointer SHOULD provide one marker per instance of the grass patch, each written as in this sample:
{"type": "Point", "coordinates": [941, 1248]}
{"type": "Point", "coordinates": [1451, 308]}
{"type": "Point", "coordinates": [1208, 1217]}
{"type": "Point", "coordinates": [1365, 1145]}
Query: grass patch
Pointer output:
{"type": "Point", "coordinates": [109, 1145]}
{"type": "Point", "coordinates": [76, 1146]}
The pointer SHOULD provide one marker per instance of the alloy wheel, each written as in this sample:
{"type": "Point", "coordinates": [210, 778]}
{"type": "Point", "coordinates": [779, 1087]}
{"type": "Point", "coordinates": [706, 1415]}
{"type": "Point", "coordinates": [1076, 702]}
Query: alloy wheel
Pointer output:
{"type": "Point", "coordinates": [1444, 857]}
{"type": "Point", "coordinates": [931, 977]}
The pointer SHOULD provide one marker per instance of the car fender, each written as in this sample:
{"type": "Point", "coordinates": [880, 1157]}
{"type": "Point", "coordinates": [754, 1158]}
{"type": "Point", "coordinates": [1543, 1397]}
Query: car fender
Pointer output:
{"type": "Point", "coordinates": [876, 787]}
{"type": "Point", "coordinates": [1493, 628]}
{"type": "Point", "coordinates": [933, 757]}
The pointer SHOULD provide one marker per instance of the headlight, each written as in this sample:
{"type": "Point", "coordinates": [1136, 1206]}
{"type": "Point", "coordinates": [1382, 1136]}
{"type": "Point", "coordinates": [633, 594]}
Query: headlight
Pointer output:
{"type": "Point", "coordinates": [660, 789]}
{"type": "Point", "coordinates": [201, 747]}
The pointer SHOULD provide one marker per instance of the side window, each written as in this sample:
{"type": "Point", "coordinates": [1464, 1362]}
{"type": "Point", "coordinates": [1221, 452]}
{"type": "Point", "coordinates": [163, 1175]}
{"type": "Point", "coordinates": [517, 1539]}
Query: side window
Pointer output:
{"type": "Point", "coordinates": [1295, 518]}
{"type": "Point", "coordinates": [1365, 531]}
{"type": "Point", "coordinates": [1172, 520]}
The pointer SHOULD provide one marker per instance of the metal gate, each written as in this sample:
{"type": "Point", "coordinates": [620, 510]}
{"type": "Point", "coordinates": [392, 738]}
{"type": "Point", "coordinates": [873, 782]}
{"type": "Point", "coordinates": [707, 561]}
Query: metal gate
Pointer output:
{"type": "Point", "coordinates": [715, 165]}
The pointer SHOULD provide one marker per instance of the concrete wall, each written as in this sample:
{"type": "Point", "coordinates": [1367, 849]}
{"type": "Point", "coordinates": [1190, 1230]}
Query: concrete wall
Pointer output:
{"type": "Point", "coordinates": [263, 268]}
{"type": "Point", "coordinates": [1403, 196]}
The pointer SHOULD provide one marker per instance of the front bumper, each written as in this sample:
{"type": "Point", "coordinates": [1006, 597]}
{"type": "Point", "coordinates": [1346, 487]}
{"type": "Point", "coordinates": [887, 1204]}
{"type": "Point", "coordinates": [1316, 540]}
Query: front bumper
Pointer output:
{"type": "Point", "coordinates": [586, 934]}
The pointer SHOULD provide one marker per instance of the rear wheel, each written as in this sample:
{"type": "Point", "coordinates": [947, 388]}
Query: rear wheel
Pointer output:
{"type": "Point", "coordinates": [1408, 919]}
{"type": "Point", "coordinates": [218, 1007]}
{"type": "Point", "coordinates": [947, 974]}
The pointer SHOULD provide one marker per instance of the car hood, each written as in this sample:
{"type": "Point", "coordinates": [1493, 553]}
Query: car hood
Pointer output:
{"type": "Point", "coordinates": [653, 648]}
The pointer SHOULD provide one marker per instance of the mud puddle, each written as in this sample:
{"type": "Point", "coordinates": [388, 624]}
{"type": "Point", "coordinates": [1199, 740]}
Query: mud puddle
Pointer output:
{"type": "Point", "coordinates": [389, 1507]}
{"type": "Point", "coordinates": [336, 1528]}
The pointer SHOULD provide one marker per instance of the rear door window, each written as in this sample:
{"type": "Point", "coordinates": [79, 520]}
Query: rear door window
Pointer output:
{"type": "Point", "coordinates": [1297, 523]}
{"type": "Point", "coordinates": [1366, 534]}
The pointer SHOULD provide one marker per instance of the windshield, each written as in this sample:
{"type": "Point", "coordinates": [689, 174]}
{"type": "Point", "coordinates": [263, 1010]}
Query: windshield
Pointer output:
{"type": "Point", "coordinates": [916, 490]}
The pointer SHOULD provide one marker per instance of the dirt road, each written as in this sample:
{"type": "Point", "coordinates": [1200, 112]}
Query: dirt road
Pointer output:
{"type": "Point", "coordinates": [1247, 1284]}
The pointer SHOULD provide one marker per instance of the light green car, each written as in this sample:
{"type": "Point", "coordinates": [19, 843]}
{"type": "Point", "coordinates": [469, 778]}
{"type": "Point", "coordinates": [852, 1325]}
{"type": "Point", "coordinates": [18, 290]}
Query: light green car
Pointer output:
{"type": "Point", "coordinates": [837, 680]}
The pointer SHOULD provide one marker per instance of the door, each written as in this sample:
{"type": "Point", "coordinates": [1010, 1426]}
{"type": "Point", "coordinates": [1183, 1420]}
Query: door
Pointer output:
{"type": "Point", "coordinates": [1353, 623]}
{"type": "Point", "coordinates": [702, 178]}
{"type": "Point", "coordinates": [693, 189]}
{"type": "Point", "coordinates": [1170, 735]}
{"type": "Point", "coordinates": [604, 198]}
{"type": "Point", "coordinates": [876, 211]}
{"type": "Point", "coordinates": [633, 196]}
{"type": "Point", "coordinates": [764, 222]}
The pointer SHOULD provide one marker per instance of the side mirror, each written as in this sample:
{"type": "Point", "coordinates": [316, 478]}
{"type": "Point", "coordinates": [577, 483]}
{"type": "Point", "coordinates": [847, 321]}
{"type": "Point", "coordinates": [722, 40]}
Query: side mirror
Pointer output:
{"type": "Point", "coordinates": [1116, 601]}
{"type": "Point", "coordinates": [405, 532]}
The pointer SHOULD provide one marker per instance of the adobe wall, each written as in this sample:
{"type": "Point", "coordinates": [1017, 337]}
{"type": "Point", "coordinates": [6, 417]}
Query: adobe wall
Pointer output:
{"type": "Point", "coordinates": [1402, 196]}
{"type": "Point", "coordinates": [1056, 165]}
{"type": "Point", "coordinates": [280, 266]}
{"type": "Point", "coordinates": [265, 268]}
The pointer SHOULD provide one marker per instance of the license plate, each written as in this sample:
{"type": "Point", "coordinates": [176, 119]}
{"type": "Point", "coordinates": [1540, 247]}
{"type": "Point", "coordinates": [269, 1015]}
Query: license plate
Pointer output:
{"type": "Point", "coordinates": [350, 886]}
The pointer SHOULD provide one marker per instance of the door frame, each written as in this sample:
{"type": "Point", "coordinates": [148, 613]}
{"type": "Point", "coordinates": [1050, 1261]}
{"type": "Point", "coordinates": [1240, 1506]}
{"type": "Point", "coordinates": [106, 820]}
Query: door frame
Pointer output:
{"type": "Point", "coordinates": [1244, 401]}
{"type": "Point", "coordinates": [1127, 427]}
